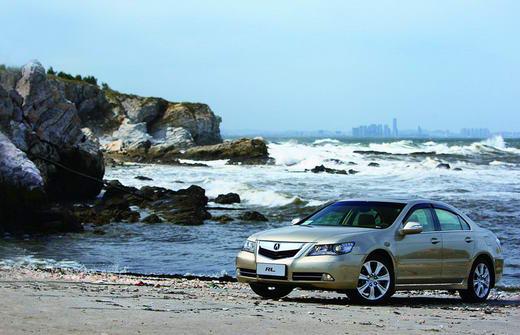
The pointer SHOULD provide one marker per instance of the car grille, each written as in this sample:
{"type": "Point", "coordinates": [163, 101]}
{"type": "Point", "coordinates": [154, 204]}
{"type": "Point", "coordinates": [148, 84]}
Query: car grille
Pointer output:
{"type": "Point", "coordinates": [277, 254]}
{"type": "Point", "coordinates": [310, 276]}
{"type": "Point", "coordinates": [247, 272]}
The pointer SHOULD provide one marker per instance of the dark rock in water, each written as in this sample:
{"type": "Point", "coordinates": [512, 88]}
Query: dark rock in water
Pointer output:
{"type": "Point", "coordinates": [334, 160]}
{"type": "Point", "coordinates": [443, 166]}
{"type": "Point", "coordinates": [230, 198]}
{"type": "Point", "coordinates": [152, 218]}
{"type": "Point", "coordinates": [252, 216]}
{"type": "Point", "coordinates": [186, 206]}
{"type": "Point", "coordinates": [223, 218]}
{"type": "Point", "coordinates": [142, 178]}
{"type": "Point", "coordinates": [352, 163]}
{"type": "Point", "coordinates": [373, 164]}
{"type": "Point", "coordinates": [98, 232]}
{"type": "Point", "coordinates": [58, 219]}
{"type": "Point", "coordinates": [457, 169]}
{"type": "Point", "coordinates": [322, 168]}
{"type": "Point", "coordinates": [352, 171]}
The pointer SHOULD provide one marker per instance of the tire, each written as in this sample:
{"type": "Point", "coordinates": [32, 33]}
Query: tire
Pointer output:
{"type": "Point", "coordinates": [376, 283]}
{"type": "Point", "coordinates": [269, 291]}
{"type": "Point", "coordinates": [480, 281]}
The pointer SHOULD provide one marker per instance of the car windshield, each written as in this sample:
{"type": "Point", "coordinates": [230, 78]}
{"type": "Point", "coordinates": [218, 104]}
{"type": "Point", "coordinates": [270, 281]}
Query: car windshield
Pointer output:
{"type": "Point", "coordinates": [363, 214]}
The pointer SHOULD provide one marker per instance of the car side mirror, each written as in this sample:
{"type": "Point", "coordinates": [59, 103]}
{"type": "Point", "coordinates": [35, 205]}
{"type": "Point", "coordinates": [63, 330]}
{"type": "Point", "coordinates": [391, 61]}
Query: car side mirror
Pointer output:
{"type": "Point", "coordinates": [411, 228]}
{"type": "Point", "coordinates": [295, 221]}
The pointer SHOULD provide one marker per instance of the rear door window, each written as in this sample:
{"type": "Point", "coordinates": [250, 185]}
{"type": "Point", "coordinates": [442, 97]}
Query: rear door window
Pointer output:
{"type": "Point", "coordinates": [448, 220]}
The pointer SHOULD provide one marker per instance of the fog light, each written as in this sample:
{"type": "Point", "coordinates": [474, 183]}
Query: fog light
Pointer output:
{"type": "Point", "coordinates": [327, 277]}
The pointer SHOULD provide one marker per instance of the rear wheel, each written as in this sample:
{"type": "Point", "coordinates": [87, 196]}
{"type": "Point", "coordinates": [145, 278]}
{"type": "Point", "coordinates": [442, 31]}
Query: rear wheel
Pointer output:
{"type": "Point", "coordinates": [479, 282]}
{"type": "Point", "coordinates": [375, 282]}
{"type": "Point", "coordinates": [270, 291]}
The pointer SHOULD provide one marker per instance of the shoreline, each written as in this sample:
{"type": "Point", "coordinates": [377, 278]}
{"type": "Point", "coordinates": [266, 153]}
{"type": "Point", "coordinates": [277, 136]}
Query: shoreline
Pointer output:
{"type": "Point", "coordinates": [111, 303]}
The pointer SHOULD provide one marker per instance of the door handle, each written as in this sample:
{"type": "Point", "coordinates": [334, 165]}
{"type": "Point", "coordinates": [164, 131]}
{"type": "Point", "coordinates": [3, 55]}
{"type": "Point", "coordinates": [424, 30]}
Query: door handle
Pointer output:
{"type": "Point", "coordinates": [468, 239]}
{"type": "Point", "coordinates": [435, 240]}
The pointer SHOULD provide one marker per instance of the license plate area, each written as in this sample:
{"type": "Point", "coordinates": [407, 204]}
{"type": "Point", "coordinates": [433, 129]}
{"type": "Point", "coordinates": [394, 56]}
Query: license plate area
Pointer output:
{"type": "Point", "coordinates": [271, 270]}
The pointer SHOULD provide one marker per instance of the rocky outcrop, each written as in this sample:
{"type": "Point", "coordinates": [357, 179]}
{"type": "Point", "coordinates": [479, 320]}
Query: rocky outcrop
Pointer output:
{"type": "Point", "coordinates": [197, 118]}
{"type": "Point", "coordinates": [242, 151]}
{"type": "Point", "coordinates": [37, 120]}
{"type": "Point", "coordinates": [186, 206]}
{"type": "Point", "coordinates": [171, 125]}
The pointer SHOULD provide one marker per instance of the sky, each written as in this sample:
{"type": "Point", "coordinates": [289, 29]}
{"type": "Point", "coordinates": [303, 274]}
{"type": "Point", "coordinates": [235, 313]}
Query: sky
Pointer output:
{"type": "Point", "coordinates": [289, 65]}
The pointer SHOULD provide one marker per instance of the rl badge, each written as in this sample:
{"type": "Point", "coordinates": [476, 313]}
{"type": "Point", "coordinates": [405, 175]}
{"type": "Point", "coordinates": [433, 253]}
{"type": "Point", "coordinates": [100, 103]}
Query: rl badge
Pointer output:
{"type": "Point", "coordinates": [265, 269]}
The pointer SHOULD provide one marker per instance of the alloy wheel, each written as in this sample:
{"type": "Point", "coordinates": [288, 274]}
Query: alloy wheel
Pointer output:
{"type": "Point", "coordinates": [374, 280]}
{"type": "Point", "coordinates": [481, 280]}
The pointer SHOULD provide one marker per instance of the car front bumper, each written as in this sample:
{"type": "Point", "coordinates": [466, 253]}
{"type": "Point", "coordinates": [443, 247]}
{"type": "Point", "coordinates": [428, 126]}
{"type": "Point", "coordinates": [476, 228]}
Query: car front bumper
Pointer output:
{"type": "Point", "coordinates": [304, 271]}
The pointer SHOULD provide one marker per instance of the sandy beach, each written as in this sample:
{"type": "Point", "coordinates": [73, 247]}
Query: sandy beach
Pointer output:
{"type": "Point", "coordinates": [63, 302]}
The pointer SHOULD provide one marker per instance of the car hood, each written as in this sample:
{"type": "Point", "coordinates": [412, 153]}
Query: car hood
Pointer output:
{"type": "Point", "coordinates": [307, 233]}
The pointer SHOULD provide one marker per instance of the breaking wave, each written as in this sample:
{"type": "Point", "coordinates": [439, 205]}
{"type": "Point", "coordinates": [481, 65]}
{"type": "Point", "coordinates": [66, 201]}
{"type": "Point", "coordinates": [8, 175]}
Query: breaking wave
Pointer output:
{"type": "Point", "coordinates": [308, 155]}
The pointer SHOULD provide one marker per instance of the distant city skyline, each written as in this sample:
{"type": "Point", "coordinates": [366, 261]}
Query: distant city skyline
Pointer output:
{"type": "Point", "coordinates": [276, 65]}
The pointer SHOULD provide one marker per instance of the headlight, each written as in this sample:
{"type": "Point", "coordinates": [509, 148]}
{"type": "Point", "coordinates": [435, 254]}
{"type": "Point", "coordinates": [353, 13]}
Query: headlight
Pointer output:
{"type": "Point", "coordinates": [249, 246]}
{"type": "Point", "coordinates": [331, 249]}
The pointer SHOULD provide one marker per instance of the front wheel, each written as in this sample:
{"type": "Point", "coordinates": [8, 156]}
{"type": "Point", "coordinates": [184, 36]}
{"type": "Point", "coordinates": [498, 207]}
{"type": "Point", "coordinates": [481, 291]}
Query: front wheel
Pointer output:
{"type": "Point", "coordinates": [269, 291]}
{"type": "Point", "coordinates": [375, 283]}
{"type": "Point", "coordinates": [479, 283]}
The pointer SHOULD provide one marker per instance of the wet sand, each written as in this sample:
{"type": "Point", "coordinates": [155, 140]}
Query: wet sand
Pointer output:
{"type": "Point", "coordinates": [63, 302]}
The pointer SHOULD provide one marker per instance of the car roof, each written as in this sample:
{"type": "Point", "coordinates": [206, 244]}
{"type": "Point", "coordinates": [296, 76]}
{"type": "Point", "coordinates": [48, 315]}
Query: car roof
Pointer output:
{"type": "Point", "coordinates": [410, 202]}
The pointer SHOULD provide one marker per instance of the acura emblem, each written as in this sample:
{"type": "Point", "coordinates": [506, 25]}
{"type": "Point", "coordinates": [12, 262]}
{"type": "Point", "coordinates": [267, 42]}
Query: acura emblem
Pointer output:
{"type": "Point", "coordinates": [276, 246]}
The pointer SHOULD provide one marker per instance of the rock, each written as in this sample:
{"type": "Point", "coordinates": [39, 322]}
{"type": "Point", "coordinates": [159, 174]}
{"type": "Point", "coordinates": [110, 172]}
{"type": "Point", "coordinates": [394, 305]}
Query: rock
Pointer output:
{"type": "Point", "coordinates": [51, 132]}
{"type": "Point", "coordinates": [373, 164]}
{"type": "Point", "coordinates": [134, 136]}
{"type": "Point", "coordinates": [94, 110]}
{"type": "Point", "coordinates": [198, 119]}
{"type": "Point", "coordinates": [173, 138]}
{"type": "Point", "coordinates": [252, 216]}
{"type": "Point", "coordinates": [186, 206]}
{"type": "Point", "coordinates": [322, 168]}
{"type": "Point", "coordinates": [244, 151]}
{"type": "Point", "coordinates": [457, 169]}
{"type": "Point", "coordinates": [114, 147]}
{"type": "Point", "coordinates": [152, 218]}
{"type": "Point", "coordinates": [230, 198]}
{"type": "Point", "coordinates": [142, 110]}
{"type": "Point", "coordinates": [142, 178]}
{"type": "Point", "coordinates": [223, 219]}
{"type": "Point", "coordinates": [443, 166]}
{"type": "Point", "coordinates": [21, 187]}
{"type": "Point", "coordinates": [352, 171]}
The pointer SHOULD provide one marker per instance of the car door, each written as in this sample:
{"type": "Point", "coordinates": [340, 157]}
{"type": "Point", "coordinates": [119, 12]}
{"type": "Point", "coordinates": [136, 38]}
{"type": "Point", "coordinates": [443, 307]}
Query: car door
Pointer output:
{"type": "Point", "coordinates": [419, 256]}
{"type": "Point", "coordinates": [458, 245]}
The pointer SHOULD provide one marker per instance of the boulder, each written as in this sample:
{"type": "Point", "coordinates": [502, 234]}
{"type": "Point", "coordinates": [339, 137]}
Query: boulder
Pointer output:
{"type": "Point", "coordinates": [245, 151]}
{"type": "Point", "coordinates": [322, 168]}
{"type": "Point", "coordinates": [373, 164]}
{"type": "Point", "coordinates": [229, 198]}
{"type": "Point", "coordinates": [252, 216]}
{"type": "Point", "coordinates": [443, 166]}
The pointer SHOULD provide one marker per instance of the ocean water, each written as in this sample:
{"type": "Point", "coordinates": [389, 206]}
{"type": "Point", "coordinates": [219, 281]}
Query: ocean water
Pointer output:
{"type": "Point", "coordinates": [487, 189]}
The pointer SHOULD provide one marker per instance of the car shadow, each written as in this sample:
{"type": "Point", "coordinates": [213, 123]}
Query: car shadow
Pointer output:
{"type": "Point", "coordinates": [411, 301]}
